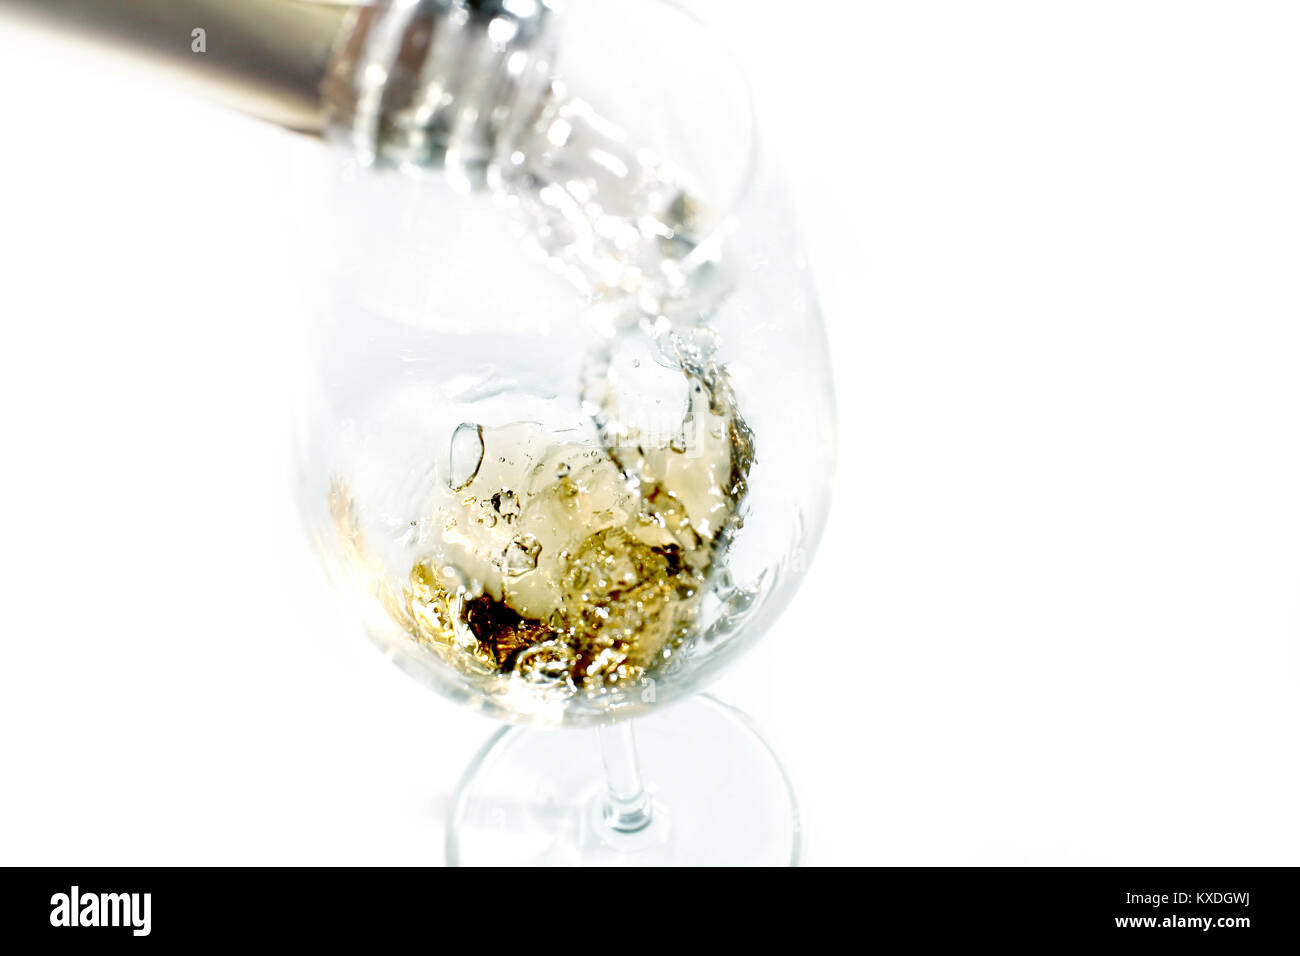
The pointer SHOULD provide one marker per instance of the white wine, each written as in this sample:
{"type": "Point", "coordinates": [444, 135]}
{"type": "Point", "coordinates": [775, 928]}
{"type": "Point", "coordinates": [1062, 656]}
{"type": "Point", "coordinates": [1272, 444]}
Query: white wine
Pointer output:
{"type": "Point", "coordinates": [569, 563]}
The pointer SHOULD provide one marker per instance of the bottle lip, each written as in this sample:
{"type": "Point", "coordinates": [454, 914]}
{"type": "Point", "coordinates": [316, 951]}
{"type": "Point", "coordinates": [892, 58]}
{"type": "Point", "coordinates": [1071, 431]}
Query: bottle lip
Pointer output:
{"type": "Point", "coordinates": [460, 85]}
{"type": "Point", "coordinates": [389, 54]}
{"type": "Point", "coordinates": [414, 81]}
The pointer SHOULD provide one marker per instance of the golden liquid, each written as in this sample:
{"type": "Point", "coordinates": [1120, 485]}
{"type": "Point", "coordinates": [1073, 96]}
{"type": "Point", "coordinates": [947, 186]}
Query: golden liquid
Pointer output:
{"type": "Point", "coordinates": [568, 562]}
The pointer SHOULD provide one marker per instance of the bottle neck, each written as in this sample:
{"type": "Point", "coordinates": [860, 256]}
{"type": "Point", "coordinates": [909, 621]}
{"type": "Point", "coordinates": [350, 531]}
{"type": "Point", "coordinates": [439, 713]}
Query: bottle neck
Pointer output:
{"type": "Point", "coordinates": [267, 58]}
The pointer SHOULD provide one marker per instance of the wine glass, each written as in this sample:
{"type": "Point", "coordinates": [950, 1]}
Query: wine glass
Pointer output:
{"type": "Point", "coordinates": [569, 432]}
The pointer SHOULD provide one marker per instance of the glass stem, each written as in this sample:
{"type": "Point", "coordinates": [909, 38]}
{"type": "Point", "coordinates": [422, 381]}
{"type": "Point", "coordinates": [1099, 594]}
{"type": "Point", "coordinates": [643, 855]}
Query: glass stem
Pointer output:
{"type": "Point", "coordinates": [628, 806]}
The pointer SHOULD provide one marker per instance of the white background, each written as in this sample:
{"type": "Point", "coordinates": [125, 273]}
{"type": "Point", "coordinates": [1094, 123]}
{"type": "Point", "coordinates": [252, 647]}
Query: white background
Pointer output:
{"type": "Point", "coordinates": [1057, 246]}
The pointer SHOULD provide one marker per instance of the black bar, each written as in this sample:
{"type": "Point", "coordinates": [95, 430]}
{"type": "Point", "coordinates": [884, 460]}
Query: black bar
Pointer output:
{"type": "Point", "coordinates": [1232, 907]}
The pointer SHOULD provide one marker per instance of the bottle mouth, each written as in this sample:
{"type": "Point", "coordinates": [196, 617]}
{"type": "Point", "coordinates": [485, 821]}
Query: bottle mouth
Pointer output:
{"type": "Point", "coordinates": [433, 83]}
{"type": "Point", "coordinates": [472, 89]}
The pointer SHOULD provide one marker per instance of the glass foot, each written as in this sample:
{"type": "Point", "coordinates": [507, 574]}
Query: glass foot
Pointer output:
{"type": "Point", "coordinates": [719, 797]}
